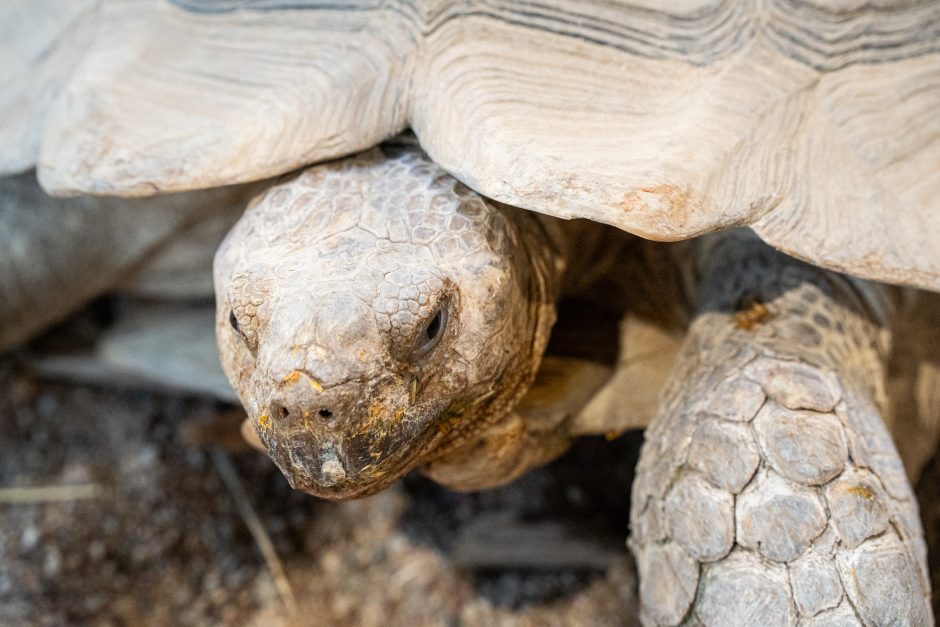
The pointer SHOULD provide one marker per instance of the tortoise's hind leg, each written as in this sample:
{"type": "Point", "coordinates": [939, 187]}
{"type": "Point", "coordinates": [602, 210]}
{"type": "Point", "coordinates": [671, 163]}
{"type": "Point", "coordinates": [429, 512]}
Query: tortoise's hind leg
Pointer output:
{"type": "Point", "coordinates": [769, 491]}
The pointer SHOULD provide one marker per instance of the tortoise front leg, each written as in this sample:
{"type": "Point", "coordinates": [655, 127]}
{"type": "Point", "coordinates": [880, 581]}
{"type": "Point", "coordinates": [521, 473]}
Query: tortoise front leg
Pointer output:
{"type": "Point", "coordinates": [768, 490]}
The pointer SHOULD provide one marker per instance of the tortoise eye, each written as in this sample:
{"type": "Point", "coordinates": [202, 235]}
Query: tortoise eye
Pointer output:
{"type": "Point", "coordinates": [249, 343]}
{"type": "Point", "coordinates": [432, 332]}
{"type": "Point", "coordinates": [433, 329]}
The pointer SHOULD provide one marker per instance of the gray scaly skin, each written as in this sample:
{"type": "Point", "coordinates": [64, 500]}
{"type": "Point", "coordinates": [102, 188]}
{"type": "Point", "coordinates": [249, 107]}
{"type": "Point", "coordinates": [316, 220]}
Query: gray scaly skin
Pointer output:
{"type": "Point", "coordinates": [376, 316]}
{"type": "Point", "coordinates": [768, 490]}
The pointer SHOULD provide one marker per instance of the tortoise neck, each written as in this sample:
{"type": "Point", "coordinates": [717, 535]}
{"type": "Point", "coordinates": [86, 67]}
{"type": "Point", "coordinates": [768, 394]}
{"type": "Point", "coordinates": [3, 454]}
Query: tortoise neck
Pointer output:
{"type": "Point", "coordinates": [620, 272]}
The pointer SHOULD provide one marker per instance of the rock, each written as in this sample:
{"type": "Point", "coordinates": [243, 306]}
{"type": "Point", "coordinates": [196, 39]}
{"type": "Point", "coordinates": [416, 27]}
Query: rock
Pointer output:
{"type": "Point", "coordinates": [170, 345]}
{"type": "Point", "coordinates": [493, 541]}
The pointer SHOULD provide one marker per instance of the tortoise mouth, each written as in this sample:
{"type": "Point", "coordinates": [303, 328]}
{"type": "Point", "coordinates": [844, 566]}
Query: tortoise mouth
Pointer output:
{"type": "Point", "coordinates": [347, 491]}
{"type": "Point", "coordinates": [349, 469]}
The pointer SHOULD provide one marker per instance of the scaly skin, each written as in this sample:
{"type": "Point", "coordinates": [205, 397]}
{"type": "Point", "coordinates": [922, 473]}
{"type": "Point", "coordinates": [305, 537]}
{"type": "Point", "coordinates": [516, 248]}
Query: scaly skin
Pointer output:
{"type": "Point", "coordinates": [768, 490]}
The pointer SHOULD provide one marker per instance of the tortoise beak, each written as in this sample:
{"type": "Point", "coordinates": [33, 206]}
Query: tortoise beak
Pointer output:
{"type": "Point", "coordinates": [342, 441]}
{"type": "Point", "coordinates": [336, 469]}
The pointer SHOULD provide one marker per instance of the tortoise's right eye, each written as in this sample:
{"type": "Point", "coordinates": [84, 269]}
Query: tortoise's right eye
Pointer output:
{"type": "Point", "coordinates": [232, 320]}
{"type": "Point", "coordinates": [432, 332]}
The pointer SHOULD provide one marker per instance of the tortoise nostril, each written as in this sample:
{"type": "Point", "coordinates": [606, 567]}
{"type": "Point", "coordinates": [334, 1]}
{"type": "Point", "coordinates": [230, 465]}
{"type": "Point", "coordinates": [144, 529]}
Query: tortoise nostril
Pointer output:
{"type": "Point", "coordinates": [325, 413]}
{"type": "Point", "coordinates": [282, 411]}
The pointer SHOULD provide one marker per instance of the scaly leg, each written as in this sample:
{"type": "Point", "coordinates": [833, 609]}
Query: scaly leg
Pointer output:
{"type": "Point", "coordinates": [769, 491]}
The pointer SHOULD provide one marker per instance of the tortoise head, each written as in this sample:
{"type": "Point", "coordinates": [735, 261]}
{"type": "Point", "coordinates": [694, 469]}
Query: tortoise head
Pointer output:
{"type": "Point", "coordinates": [372, 311]}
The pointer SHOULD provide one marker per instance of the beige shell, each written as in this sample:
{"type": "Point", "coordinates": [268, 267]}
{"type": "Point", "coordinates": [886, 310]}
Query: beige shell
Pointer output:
{"type": "Point", "coordinates": [814, 122]}
{"type": "Point", "coordinates": [41, 42]}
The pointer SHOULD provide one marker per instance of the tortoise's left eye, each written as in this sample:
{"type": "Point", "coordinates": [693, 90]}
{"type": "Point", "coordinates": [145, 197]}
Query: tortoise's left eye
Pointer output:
{"type": "Point", "coordinates": [432, 332]}
{"type": "Point", "coordinates": [232, 320]}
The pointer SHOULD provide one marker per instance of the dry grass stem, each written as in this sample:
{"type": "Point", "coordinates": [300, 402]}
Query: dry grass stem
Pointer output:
{"type": "Point", "coordinates": [247, 512]}
{"type": "Point", "coordinates": [50, 494]}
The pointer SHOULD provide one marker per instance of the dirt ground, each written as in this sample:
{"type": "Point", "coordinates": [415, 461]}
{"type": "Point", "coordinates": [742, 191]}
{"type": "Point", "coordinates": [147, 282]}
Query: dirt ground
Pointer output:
{"type": "Point", "coordinates": [145, 525]}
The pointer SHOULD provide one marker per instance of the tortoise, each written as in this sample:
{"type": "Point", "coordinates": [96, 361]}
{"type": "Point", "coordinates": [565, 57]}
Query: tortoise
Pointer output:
{"type": "Point", "coordinates": [375, 315]}
{"type": "Point", "coordinates": [769, 490]}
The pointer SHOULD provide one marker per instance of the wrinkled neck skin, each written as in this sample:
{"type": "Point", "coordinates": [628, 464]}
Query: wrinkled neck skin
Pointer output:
{"type": "Point", "coordinates": [374, 314]}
